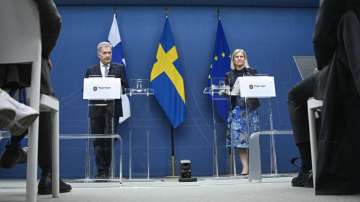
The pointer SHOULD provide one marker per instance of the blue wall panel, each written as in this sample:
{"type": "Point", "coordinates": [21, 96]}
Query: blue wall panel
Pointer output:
{"type": "Point", "coordinates": [271, 37]}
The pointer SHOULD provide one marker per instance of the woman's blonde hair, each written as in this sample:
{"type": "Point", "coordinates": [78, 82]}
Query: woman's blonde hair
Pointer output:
{"type": "Point", "coordinates": [236, 51]}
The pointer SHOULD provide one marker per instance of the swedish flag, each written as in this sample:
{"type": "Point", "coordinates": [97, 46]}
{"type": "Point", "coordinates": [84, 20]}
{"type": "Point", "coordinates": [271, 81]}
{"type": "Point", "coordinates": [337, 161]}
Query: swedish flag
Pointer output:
{"type": "Point", "coordinates": [166, 79]}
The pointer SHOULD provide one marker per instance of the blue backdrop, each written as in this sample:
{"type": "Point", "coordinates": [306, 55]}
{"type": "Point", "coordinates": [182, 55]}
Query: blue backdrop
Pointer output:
{"type": "Point", "coordinates": [271, 37]}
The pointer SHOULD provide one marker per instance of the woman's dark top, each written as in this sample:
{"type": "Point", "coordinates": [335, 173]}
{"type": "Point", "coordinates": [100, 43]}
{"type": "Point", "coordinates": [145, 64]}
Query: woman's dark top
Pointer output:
{"type": "Point", "coordinates": [230, 79]}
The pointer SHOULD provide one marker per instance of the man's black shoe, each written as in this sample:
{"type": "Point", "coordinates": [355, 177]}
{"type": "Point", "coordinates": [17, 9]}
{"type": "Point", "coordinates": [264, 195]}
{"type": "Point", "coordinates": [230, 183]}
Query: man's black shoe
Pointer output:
{"type": "Point", "coordinates": [102, 176]}
{"type": "Point", "coordinates": [310, 182]}
{"type": "Point", "coordinates": [45, 185]}
{"type": "Point", "coordinates": [12, 155]}
{"type": "Point", "coordinates": [304, 179]}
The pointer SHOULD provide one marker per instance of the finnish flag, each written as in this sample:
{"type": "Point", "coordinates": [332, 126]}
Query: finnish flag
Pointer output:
{"type": "Point", "coordinates": [118, 57]}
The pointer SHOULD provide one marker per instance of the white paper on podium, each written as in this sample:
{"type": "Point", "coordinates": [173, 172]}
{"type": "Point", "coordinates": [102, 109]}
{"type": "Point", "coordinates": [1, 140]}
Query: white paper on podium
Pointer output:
{"type": "Point", "coordinates": [256, 86]}
{"type": "Point", "coordinates": [99, 88]}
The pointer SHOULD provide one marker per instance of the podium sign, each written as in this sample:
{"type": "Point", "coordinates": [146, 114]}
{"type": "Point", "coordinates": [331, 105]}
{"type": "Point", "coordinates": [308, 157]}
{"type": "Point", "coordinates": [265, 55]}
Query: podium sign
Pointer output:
{"type": "Point", "coordinates": [98, 88]}
{"type": "Point", "coordinates": [257, 86]}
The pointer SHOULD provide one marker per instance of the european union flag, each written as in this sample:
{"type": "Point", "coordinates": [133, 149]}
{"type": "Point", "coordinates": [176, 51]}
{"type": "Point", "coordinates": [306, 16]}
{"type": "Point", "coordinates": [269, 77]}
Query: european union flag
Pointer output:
{"type": "Point", "coordinates": [220, 65]}
{"type": "Point", "coordinates": [166, 78]}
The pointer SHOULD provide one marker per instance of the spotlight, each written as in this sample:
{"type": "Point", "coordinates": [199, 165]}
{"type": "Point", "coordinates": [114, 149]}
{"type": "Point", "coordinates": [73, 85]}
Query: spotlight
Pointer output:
{"type": "Point", "coordinates": [185, 172]}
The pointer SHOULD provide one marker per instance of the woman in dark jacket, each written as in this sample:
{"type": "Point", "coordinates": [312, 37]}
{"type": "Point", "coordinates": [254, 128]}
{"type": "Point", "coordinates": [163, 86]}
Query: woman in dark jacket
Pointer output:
{"type": "Point", "coordinates": [243, 117]}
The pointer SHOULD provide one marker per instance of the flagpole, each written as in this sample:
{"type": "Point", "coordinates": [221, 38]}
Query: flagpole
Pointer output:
{"type": "Point", "coordinates": [172, 151]}
{"type": "Point", "coordinates": [172, 132]}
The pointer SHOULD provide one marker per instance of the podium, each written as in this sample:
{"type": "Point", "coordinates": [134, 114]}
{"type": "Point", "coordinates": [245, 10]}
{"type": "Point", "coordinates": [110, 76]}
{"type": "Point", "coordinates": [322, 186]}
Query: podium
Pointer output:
{"type": "Point", "coordinates": [101, 92]}
{"type": "Point", "coordinates": [99, 88]}
{"type": "Point", "coordinates": [139, 89]}
{"type": "Point", "coordinates": [261, 87]}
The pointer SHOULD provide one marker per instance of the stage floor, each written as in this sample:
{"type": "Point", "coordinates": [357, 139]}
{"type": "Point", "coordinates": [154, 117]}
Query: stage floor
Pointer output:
{"type": "Point", "coordinates": [206, 189]}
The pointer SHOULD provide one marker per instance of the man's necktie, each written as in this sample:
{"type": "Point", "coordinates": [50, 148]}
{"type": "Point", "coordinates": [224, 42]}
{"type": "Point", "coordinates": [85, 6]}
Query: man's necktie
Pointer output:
{"type": "Point", "coordinates": [106, 70]}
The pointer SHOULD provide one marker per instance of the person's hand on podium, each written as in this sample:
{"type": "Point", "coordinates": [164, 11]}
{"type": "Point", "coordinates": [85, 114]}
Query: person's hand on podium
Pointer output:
{"type": "Point", "coordinates": [224, 92]}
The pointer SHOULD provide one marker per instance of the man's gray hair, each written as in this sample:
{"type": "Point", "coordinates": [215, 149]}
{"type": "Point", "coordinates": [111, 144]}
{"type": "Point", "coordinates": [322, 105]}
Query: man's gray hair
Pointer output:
{"type": "Point", "coordinates": [103, 44]}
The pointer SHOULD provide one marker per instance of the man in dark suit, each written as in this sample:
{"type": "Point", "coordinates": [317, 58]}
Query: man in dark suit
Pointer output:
{"type": "Point", "coordinates": [104, 114]}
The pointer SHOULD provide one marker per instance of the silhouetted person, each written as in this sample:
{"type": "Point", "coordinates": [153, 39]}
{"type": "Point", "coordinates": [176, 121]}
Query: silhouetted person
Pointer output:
{"type": "Point", "coordinates": [336, 45]}
{"type": "Point", "coordinates": [50, 25]}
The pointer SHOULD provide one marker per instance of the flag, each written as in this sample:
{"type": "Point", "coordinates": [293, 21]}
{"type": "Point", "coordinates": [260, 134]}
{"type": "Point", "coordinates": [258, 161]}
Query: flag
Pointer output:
{"type": "Point", "coordinates": [166, 79]}
{"type": "Point", "coordinates": [219, 66]}
{"type": "Point", "coordinates": [118, 57]}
